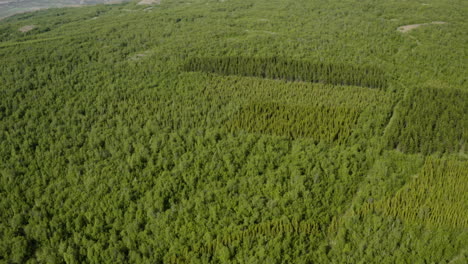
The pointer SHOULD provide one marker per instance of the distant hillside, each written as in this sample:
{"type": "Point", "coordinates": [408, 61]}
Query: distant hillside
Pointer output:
{"type": "Point", "coordinates": [11, 7]}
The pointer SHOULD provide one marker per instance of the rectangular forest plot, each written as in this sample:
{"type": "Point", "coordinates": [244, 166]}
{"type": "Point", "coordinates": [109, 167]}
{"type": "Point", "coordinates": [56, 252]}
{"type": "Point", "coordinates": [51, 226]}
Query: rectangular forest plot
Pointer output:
{"type": "Point", "coordinates": [319, 122]}
{"type": "Point", "coordinates": [430, 120]}
{"type": "Point", "coordinates": [438, 196]}
{"type": "Point", "coordinates": [291, 70]}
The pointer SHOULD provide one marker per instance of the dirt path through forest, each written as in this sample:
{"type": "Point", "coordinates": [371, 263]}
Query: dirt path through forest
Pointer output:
{"type": "Point", "coordinates": [407, 28]}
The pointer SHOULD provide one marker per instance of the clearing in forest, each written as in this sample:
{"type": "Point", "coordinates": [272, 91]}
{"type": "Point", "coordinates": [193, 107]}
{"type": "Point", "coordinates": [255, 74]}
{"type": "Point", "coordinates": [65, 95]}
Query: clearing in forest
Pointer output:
{"type": "Point", "coordinates": [150, 2]}
{"type": "Point", "coordinates": [407, 28]}
{"type": "Point", "coordinates": [27, 28]}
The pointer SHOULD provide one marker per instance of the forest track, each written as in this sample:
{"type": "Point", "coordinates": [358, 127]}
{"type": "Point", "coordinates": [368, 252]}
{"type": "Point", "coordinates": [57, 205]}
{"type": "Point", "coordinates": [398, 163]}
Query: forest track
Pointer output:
{"type": "Point", "coordinates": [407, 28]}
{"type": "Point", "coordinates": [394, 109]}
{"type": "Point", "coordinates": [392, 117]}
{"type": "Point", "coordinates": [333, 227]}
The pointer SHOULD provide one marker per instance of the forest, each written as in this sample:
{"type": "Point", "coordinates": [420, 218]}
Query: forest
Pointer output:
{"type": "Point", "coordinates": [238, 131]}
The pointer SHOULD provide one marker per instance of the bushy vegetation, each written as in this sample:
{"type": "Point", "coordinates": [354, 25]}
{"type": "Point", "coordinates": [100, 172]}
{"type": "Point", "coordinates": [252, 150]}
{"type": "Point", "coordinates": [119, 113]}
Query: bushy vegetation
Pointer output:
{"type": "Point", "coordinates": [277, 68]}
{"type": "Point", "coordinates": [430, 120]}
{"type": "Point", "coordinates": [174, 133]}
{"type": "Point", "coordinates": [436, 196]}
{"type": "Point", "coordinates": [321, 123]}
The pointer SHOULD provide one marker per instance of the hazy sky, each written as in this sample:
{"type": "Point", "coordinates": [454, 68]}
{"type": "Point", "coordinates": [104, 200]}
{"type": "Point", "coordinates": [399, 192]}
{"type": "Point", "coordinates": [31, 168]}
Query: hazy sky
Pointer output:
{"type": "Point", "coordinates": [10, 7]}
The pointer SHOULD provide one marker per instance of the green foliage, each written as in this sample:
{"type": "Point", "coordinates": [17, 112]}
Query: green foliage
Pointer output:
{"type": "Point", "coordinates": [418, 211]}
{"type": "Point", "coordinates": [277, 68]}
{"type": "Point", "coordinates": [221, 245]}
{"type": "Point", "coordinates": [110, 152]}
{"type": "Point", "coordinates": [320, 123]}
{"type": "Point", "coordinates": [437, 196]}
{"type": "Point", "coordinates": [430, 120]}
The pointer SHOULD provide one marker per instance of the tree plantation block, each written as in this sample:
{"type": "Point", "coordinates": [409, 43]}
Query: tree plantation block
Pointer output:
{"type": "Point", "coordinates": [291, 70]}
{"type": "Point", "coordinates": [321, 123]}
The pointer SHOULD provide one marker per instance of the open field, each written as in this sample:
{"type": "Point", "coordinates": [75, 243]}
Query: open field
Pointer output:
{"type": "Point", "coordinates": [238, 131]}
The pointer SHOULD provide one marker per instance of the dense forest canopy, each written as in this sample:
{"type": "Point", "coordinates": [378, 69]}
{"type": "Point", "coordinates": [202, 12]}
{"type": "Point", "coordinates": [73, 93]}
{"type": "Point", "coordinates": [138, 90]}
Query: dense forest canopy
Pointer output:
{"type": "Point", "coordinates": [235, 131]}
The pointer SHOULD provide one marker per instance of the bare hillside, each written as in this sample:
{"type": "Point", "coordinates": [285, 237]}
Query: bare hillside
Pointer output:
{"type": "Point", "coordinates": [11, 7]}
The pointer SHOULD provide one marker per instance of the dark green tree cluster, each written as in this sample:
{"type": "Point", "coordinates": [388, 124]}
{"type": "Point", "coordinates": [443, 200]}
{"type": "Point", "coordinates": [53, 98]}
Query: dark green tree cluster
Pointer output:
{"type": "Point", "coordinates": [291, 70]}
{"type": "Point", "coordinates": [430, 120]}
